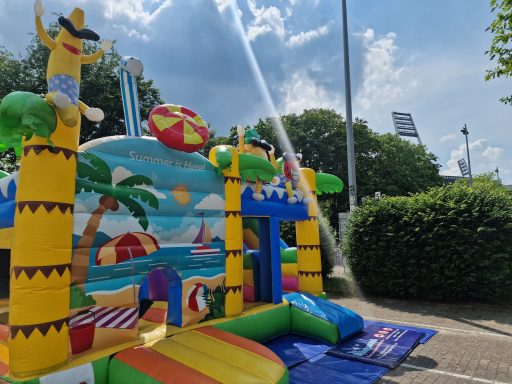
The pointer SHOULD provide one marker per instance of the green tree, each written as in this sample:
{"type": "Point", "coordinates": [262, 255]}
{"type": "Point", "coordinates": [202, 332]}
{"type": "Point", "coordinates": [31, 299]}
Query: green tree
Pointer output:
{"type": "Point", "coordinates": [94, 175]}
{"type": "Point", "coordinates": [384, 163]}
{"type": "Point", "coordinates": [501, 47]}
{"type": "Point", "coordinates": [99, 86]}
{"type": "Point", "coordinates": [401, 167]}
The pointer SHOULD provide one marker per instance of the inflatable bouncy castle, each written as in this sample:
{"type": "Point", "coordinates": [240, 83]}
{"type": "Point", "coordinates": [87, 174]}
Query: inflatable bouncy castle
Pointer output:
{"type": "Point", "coordinates": [136, 259]}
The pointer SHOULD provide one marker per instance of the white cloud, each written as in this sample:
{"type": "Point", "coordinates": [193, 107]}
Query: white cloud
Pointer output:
{"type": "Point", "coordinates": [449, 137]}
{"type": "Point", "coordinates": [187, 237]}
{"type": "Point", "coordinates": [483, 158]}
{"type": "Point", "coordinates": [300, 92]}
{"type": "Point", "coordinates": [305, 37]}
{"type": "Point", "coordinates": [295, 2]}
{"type": "Point", "coordinates": [493, 153]}
{"type": "Point", "coordinates": [212, 201]}
{"type": "Point", "coordinates": [266, 20]}
{"type": "Point", "coordinates": [121, 173]}
{"type": "Point", "coordinates": [383, 81]}
{"type": "Point", "coordinates": [219, 229]}
{"type": "Point", "coordinates": [135, 10]}
{"type": "Point", "coordinates": [125, 224]}
{"type": "Point", "coordinates": [132, 32]}
{"type": "Point", "coordinates": [223, 5]}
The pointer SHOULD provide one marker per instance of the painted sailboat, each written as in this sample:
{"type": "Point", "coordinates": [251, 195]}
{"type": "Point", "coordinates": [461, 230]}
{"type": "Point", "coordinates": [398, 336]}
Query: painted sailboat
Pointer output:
{"type": "Point", "coordinates": [204, 236]}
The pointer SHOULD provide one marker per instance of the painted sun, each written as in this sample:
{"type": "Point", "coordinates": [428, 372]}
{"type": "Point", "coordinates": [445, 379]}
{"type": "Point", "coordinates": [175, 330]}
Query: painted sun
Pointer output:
{"type": "Point", "coordinates": [181, 194]}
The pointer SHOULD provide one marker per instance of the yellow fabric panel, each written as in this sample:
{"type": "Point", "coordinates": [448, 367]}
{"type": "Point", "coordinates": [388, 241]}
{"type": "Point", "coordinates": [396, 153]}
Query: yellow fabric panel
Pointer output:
{"type": "Point", "coordinates": [42, 244]}
{"type": "Point", "coordinates": [49, 187]}
{"type": "Point", "coordinates": [234, 270]}
{"type": "Point", "coordinates": [250, 361]}
{"type": "Point", "coordinates": [234, 303]}
{"type": "Point", "coordinates": [309, 260]}
{"type": "Point", "coordinates": [307, 232]}
{"type": "Point", "coordinates": [308, 182]}
{"type": "Point", "coordinates": [290, 269]}
{"type": "Point", "coordinates": [208, 359]}
{"type": "Point", "coordinates": [311, 284]}
{"type": "Point", "coordinates": [6, 235]}
{"type": "Point", "coordinates": [45, 352]}
{"type": "Point", "coordinates": [234, 235]}
{"type": "Point", "coordinates": [248, 277]}
{"type": "Point", "coordinates": [32, 307]}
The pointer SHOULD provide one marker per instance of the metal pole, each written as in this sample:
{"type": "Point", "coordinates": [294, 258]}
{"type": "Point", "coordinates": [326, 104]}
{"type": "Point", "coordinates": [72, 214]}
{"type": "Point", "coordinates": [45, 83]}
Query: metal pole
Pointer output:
{"type": "Point", "coordinates": [465, 132]}
{"type": "Point", "coordinates": [351, 159]}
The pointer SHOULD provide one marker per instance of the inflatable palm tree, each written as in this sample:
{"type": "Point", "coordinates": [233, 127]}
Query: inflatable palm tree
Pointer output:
{"type": "Point", "coordinates": [41, 250]}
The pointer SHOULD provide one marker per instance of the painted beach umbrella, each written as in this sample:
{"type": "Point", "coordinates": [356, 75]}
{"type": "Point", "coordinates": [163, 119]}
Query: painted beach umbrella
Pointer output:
{"type": "Point", "coordinates": [178, 127]}
{"type": "Point", "coordinates": [126, 247]}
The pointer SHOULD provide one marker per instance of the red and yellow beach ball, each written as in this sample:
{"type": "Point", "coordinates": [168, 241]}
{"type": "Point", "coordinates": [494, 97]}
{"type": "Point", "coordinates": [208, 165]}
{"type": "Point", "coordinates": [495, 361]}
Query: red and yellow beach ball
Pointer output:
{"type": "Point", "coordinates": [178, 127]}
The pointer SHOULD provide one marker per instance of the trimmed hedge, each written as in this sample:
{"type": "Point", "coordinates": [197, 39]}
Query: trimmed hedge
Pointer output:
{"type": "Point", "coordinates": [451, 243]}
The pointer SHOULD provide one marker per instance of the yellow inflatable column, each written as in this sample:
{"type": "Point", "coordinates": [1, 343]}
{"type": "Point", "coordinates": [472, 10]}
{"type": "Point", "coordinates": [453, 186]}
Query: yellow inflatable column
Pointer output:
{"type": "Point", "coordinates": [308, 241]}
{"type": "Point", "coordinates": [234, 231]}
{"type": "Point", "coordinates": [41, 253]}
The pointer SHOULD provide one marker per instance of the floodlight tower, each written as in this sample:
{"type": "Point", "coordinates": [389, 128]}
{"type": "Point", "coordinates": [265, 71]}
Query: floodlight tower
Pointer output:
{"type": "Point", "coordinates": [465, 132]}
{"type": "Point", "coordinates": [463, 166]}
{"type": "Point", "coordinates": [497, 170]}
{"type": "Point", "coordinates": [404, 125]}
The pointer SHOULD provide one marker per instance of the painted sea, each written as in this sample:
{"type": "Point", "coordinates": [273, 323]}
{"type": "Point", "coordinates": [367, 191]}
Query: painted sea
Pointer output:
{"type": "Point", "coordinates": [177, 256]}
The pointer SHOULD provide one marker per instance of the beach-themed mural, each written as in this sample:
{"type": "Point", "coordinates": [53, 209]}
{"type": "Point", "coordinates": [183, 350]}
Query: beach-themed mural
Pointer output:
{"type": "Point", "coordinates": [149, 224]}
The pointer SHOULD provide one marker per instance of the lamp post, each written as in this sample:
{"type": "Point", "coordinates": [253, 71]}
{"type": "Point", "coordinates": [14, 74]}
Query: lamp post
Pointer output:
{"type": "Point", "coordinates": [466, 133]}
{"type": "Point", "coordinates": [351, 159]}
{"type": "Point", "coordinates": [497, 170]}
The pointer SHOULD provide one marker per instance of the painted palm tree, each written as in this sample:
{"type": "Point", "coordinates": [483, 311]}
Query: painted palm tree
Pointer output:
{"type": "Point", "coordinates": [94, 175]}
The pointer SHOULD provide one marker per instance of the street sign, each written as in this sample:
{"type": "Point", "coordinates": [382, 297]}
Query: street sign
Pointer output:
{"type": "Point", "coordinates": [378, 195]}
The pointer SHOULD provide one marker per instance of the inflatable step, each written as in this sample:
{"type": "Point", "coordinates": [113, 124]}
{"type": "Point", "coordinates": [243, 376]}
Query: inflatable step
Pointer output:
{"type": "Point", "coordinates": [205, 355]}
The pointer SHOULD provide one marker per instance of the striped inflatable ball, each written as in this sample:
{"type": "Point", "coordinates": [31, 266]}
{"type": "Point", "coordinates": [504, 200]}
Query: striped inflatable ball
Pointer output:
{"type": "Point", "coordinates": [178, 127]}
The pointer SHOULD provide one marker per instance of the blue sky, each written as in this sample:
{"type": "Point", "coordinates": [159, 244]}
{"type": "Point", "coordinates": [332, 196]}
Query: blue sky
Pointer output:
{"type": "Point", "coordinates": [422, 57]}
